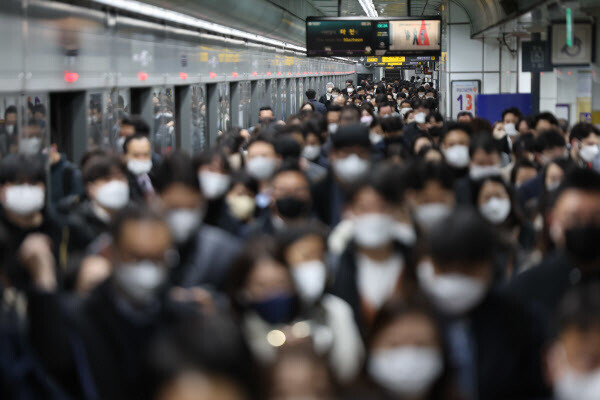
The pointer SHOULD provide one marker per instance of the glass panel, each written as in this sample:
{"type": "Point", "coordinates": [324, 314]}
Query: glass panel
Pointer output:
{"type": "Point", "coordinates": [300, 94]}
{"type": "Point", "coordinates": [98, 136]}
{"type": "Point", "coordinates": [274, 94]}
{"type": "Point", "coordinates": [117, 107]}
{"type": "Point", "coordinates": [245, 100]}
{"type": "Point", "coordinates": [224, 118]}
{"type": "Point", "coordinates": [293, 103]}
{"type": "Point", "coordinates": [199, 138]}
{"type": "Point", "coordinates": [163, 137]}
{"type": "Point", "coordinates": [33, 135]}
{"type": "Point", "coordinates": [283, 98]}
{"type": "Point", "coordinates": [261, 87]}
{"type": "Point", "coordinates": [9, 125]}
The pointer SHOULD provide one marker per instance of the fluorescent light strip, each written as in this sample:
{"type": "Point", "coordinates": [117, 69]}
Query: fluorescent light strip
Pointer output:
{"type": "Point", "coordinates": [368, 7]}
{"type": "Point", "coordinates": [160, 13]}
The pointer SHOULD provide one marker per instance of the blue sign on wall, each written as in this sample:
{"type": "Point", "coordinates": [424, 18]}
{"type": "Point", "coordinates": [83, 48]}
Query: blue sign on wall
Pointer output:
{"type": "Point", "coordinates": [490, 106]}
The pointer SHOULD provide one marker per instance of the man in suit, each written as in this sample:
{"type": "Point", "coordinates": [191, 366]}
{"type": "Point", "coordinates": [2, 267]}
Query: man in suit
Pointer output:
{"type": "Point", "coordinates": [319, 107]}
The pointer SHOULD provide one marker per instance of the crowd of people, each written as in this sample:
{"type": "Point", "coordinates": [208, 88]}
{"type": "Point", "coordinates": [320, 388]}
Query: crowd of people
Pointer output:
{"type": "Point", "coordinates": [365, 248]}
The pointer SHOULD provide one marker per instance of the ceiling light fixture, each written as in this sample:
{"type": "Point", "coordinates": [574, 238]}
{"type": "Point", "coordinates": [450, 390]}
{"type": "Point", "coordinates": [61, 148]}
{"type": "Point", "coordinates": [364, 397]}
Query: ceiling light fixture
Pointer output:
{"type": "Point", "coordinates": [164, 14]}
{"type": "Point", "coordinates": [367, 6]}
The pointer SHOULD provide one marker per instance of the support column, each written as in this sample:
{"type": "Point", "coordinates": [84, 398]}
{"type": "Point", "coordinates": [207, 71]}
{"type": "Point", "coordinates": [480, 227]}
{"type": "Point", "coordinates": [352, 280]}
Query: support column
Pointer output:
{"type": "Point", "coordinates": [234, 93]}
{"type": "Point", "coordinates": [535, 82]}
{"type": "Point", "coordinates": [255, 104]}
{"type": "Point", "coordinates": [183, 117]}
{"type": "Point", "coordinates": [212, 112]}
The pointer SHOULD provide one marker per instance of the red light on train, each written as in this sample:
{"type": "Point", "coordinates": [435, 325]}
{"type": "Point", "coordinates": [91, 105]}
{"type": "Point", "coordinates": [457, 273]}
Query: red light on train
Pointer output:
{"type": "Point", "coordinates": [183, 75]}
{"type": "Point", "coordinates": [213, 75]}
{"type": "Point", "coordinates": [255, 73]}
{"type": "Point", "coordinates": [569, 73]}
{"type": "Point", "coordinates": [269, 73]}
{"type": "Point", "coordinates": [71, 77]}
{"type": "Point", "coordinates": [289, 73]}
{"type": "Point", "coordinates": [280, 73]}
{"type": "Point", "coordinates": [235, 74]}
{"type": "Point", "coordinates": [142, 76]}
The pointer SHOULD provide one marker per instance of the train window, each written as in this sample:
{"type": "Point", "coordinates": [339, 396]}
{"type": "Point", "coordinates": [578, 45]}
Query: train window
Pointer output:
{"type": "Point", "coordinates": [224, 118]}
{"type": "Point", "coordinates": [244, 108]}
{"type": "Point", "coordinates": [98, 136]}
{"type": "Point", "coordinates": [199, 138]}
{"type": "Point", "coordinates": [33, 134]}
{"type": "Point", "coordinates": [9, 125]}
{"type": "Point", "coordinates": [163, 131]}
{"type": "Point", "coordinates": [117, 107]}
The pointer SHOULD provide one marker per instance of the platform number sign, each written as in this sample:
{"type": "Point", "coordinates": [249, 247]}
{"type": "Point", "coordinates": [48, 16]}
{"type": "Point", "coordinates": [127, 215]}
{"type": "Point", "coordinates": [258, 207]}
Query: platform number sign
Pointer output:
{"type": "Point", "coordinates": [464, 94]}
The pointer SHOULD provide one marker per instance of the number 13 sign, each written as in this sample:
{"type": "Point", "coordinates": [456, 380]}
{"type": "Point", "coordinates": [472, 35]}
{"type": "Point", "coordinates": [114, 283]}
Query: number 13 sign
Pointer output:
{"type": "Point", "coordinates": [463, 96]}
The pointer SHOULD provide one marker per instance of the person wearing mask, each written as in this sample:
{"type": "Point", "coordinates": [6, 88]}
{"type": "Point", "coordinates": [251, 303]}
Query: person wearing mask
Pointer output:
{"type": "Point", "coordinates": [318, 106]}
{"type": "Point", "coordinates": [584, 143]}
{"type": "Point", "coordinates": [487, 335]}
{"type": "Point", "coordinates": [349, 83]}
{"type": "Point", "coordinates": [455, 144]}
{"type": "Point", "coordinates": [326, 98]}
{"type": "Point", "coordinates": [418, 124]}
{"type": "Point", "coordinates": [137, 154]}
{"type": "Point", "coordinates": [429, 193]}
{"type": "Point", "coordinates": [304, 249]}
{"type": "Point", "coordinates": [31, 141]}
{"type": "Point", "coordinates": [407, 356]}
{"type": "Point", "coordinates": [9, 132]}
{"type": "Point", "coordinates": [375, 265]}
{"type": "Point", "coordinates": [573, 356]}
{"type": "Point", "coordinates": [484, 163]}
{"type": "Point", "coordinates": [350, 159]}
{"type": "Point", "coordinates": [205, 252]}
{"type": "Point", "coordinates": [572, 223]}
{"type": "Point", "coordinates": [98, 348]}
{"type": "Point", "coordinates": [23, 209]}
{"type": "Point", "coordinates": [106, 192]}
{"type": "Point", "coordinates": [522, 172]}
{"type": "Point", "coordinates": [510, 118]}
{"type": "Point", "coordinates": [314, 141]}
{"type": "Point", "coordinates": [261, 163]}
{"type": "Point", "coordinates": [550, 145]}
{"type": "Point", "coordinates": [291, 202]}
{"type": "Point", "coordinates": [263, 296]}
{"type": "Point", "coordinates": [214, 175]}
{"type": "Point", "coordinates": [241, 203]}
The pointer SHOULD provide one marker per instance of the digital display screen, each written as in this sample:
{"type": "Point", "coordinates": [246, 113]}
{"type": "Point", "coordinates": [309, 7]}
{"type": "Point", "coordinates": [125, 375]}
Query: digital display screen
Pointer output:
{"type": "Point", "coordinates": [353, 37]}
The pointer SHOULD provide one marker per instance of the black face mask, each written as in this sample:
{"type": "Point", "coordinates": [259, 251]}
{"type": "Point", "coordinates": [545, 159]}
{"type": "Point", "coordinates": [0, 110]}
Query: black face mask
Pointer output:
{"type": "Point", "coordinates": [292, 207]}
{"type": "Point", "coordinates": [582, 243]}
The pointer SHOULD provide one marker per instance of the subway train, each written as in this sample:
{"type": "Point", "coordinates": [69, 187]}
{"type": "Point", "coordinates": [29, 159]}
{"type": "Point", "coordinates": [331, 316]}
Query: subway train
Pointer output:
{"type": "Point", "coordinates": [78, 69]}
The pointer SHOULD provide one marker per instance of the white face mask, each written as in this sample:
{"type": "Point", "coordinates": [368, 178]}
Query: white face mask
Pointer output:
{"type": "Point", "coordinates": [420, 118]}
{"type": "Point", "coordinates": [375, 138]}
{"type": "Point", "coordinates": [351, 168]}
{"type": "Point", "coordinates": [113, 195]}
{"type": "Point", "coordinates": [332, 127]}
{"type": "Point", "coordinates": [141, 280]}
{"type": "Point", "coordinates": [477, 172]}
{"type": "Point", "coordinates": [372, 230]}
{"type": "Point", "coordinates": [454, 294]}
{"type": "Point", "coordinates": [350, 90]}
{"type": "Point", "coordinates": [588, 153]}
{"type": "Point", "coordinates": [495, 210]}
{"type": "Point", "coordinates": [552, 186]}
{"type": "Point", "coordinates": [421, 95]}
{"type": "Point", "coordinates": [213, 184]}
{"type": "Point", "coordinates": [510, 129]}
{"type": "Point", "coordinates": [24, 199]}
{"type": "Point", "coordinates": [457, 156]}
{"type": "Point", "coordinates": [408, 371]}
{"type": "Point", "coordinates": [242, 207]}
{"type": "Point", "coordinates": [30, 146]}
{"type": "Point", "coordinates": [574, 385]}
{"type": "Point", "coordinates": [310, 278]}
{"type": "Point", "coordinates": [9, 129]}
{"type": "Point", "coordinates": [430, 214]}
{"type": "Point", "coordinates": [366, 120]}
{"type": "Point", "coordinates": [311, 152]}
{"type": "Point", "coordinates": [139, 167]}
{"type": "Point", "coordinates": [183, 223]}
{"type": "Point", "coordinates": [329, 89]}
{"type": "Point", "coordinates": [405, 110]}
{"type": "Point", "coordinates": [404, 233]}
{"type": "Point", "coordinates": [261, 168]}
